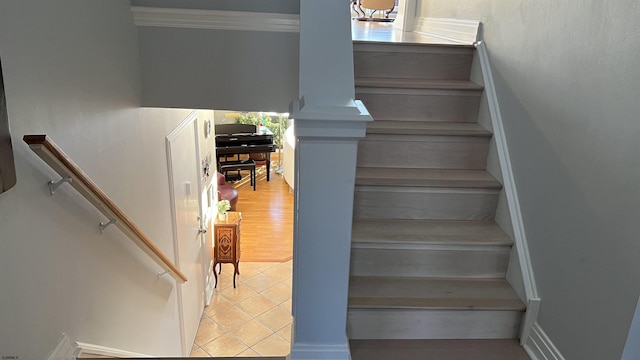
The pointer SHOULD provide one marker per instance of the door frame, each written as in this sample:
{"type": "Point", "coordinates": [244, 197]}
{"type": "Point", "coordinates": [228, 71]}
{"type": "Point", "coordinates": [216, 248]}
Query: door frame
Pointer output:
{"type": "Point", "coordinates": [406, 15]}
{"type": "Point", "coordinates": [189, 121]}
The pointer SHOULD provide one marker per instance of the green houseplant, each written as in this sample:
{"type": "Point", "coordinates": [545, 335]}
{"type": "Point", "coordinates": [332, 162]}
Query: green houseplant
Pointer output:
{"type": "Point", "coordinates": [275, 125]}
{"type": "Point", "coordinates": [223, 207]}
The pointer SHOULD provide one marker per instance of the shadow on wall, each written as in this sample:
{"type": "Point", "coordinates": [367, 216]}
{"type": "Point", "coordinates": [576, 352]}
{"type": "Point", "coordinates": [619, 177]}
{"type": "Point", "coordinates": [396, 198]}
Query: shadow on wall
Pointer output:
{"type": "Point", "coordinates": [571, 244]}
{"type": "Point", "coordinates": [7, 167]}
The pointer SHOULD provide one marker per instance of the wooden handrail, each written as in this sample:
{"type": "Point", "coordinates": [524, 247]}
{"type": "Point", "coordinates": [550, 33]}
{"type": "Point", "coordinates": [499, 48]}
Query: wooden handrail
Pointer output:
{"type": "Point", "coordinates": [63, 165]}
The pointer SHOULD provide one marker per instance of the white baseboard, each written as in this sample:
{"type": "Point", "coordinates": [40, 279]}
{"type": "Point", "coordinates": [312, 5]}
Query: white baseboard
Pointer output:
{"type": "Point", "coordinates": [456, 30]}
{"type": "Point", "coordinates": [64, 349]}
{"type": "Point", "coordinates": [539, 347]}
{"type": "Point", "coordinates": [320, 352]}
{"type": "Point", "coordinates": [68, 350]}
{"type": "Point", "coordinates": [84, 350]}
{"type": "Point", "coordinates": [209, 287]}
{"type": "Point", "coordinates": [511, 193]}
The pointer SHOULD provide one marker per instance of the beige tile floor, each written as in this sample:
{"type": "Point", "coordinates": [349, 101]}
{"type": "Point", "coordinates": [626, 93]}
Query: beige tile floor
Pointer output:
{"type": "Point", "coordinates": [254, 319]}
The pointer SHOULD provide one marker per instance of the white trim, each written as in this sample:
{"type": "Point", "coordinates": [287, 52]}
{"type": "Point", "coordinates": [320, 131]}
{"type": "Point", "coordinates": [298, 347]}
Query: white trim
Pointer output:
{"type": "Point", "coordinates": [64, 349]}
{"type": "Point", "coordinates": [215, 19]}
{"type": "Point", "coordinates": [456, 30]}
{"type": "Point", "coordinates": [209, 287]}
{"type": "Point", "coordinates": [348, 121]}
{"type": "Point", "coordinates": [190, 120]}
{"type": "Point", "coordinates": [406, 16]}
{"type": "Point", "coordinates": [320, 352]}
{"type": "Point", "coordinates": [520, 237]}
{"type": "Point", "coordinates": [539, 347]}
{"type": "Point", "coordinates": [67, 350]}
{"type": "Point", "coordinates": [90, 350]}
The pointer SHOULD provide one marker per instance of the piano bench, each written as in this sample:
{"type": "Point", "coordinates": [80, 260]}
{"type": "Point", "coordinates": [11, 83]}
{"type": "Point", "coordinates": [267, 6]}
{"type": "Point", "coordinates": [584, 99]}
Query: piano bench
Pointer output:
{"type": "Point", "coordinates": [248, 164]}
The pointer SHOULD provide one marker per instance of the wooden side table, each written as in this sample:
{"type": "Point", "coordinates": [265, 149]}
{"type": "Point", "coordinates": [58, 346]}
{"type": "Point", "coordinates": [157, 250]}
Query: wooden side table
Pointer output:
{"type": "Point", "coordinates": [226, 246]}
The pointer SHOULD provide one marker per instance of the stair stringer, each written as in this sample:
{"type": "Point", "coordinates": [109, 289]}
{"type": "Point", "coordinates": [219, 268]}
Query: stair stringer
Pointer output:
{"type": "Point", "coordinates": [520, 274]}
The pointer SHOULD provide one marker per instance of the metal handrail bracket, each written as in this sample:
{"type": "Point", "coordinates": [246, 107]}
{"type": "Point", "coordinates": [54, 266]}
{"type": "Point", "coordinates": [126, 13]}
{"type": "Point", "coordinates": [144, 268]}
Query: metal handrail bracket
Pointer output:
{"type": "Point", "coordinates": [71, 173]}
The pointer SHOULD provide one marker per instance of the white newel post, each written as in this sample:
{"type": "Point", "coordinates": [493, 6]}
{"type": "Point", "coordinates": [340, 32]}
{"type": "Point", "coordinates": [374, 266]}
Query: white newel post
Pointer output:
{"type": "Point", "coordinates": [328, 124]}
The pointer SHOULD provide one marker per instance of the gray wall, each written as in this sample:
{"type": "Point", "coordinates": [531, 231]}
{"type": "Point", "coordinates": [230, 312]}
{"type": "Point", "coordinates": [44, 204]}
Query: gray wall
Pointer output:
{"type": "Point", "coordinates": [71, 71]}
{"type": "Point", "coordinates": [219, 69]}
{"type": "Point", "coordinates": [568, 82]}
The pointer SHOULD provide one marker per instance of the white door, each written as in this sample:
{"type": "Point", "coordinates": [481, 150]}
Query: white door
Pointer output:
{"type": "Point", "coordinates": [185, 197]}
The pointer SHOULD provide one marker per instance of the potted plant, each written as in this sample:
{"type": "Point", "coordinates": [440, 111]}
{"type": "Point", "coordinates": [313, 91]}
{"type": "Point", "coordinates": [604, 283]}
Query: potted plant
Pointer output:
{"type": "Point", "coordinates": [276, 126]}
{"type": "Point", "coordinates": [223, 207]}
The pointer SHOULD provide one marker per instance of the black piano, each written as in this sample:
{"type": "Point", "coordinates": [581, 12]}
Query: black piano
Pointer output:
{"type": "Point", "coordinates": [233, 140]}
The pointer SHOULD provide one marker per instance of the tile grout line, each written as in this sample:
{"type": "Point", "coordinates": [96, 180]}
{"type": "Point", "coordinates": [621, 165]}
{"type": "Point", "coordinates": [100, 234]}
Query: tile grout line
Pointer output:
{"type": "Point", "coordinates": [260, 270]}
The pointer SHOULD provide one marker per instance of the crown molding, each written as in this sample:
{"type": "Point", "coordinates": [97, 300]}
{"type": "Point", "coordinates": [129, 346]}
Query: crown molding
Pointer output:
{"type": "Point", "coordinates": [215, 19]}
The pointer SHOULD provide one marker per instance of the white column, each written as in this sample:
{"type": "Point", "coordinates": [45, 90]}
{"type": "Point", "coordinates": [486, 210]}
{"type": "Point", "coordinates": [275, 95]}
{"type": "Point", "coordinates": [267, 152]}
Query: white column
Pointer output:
{"type": "Point", "coordinates": [406, 15]}
{"type": "Point", "coordinates": [328, 124]}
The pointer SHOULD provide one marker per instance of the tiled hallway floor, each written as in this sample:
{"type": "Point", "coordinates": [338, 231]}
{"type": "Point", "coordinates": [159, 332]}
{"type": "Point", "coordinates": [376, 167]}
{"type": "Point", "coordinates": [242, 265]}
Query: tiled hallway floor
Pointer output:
{"type": "Point", "coordinates": [254, 319]}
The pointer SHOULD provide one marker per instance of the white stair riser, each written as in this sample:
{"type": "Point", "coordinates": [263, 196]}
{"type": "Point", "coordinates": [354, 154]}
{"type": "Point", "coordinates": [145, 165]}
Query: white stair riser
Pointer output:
{"type": "Point", "coordinates": [491, 262]}
{"type": "Point", "coordinates": [454, 154]}
{"type": "Point", "coordinates": [412, 65]}
{"type": "Point", "coordinates": [405, 48]}
{"type": "Point", "coordinates": [415, 107]}
{"type": "Point", "coordinates": [381, 202]}
{"type": "Point", "coordinates": [432, 324]}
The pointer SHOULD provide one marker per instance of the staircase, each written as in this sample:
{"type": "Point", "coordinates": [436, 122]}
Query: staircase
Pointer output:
{"type": "Point", "coordinates": [428, 260]}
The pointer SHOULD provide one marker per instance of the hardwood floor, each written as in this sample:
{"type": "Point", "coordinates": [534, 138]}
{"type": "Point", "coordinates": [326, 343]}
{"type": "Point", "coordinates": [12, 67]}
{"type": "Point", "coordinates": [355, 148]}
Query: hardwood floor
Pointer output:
{"type": "Point", "coordinates": [267, 218]}
{"type": "Point", "coordinates": [385, 32]}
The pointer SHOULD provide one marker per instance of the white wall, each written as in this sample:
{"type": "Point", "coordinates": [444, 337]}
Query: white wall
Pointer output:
{"type": "Point", "coordinates": [71, 71]}
{"type": "Point", "coordinates": [568, 82]}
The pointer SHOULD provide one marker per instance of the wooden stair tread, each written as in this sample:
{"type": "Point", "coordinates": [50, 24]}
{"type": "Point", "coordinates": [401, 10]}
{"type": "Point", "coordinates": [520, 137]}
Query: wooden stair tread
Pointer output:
{"type": "Point", "coordinates": [435, 232]}
{"type": "Point", "coordinates": [397, 127]}
{"type": "Point", "coordinates": [426, 177]}
{"type": "Point", "coordinates": [428, 260]}
{"type": "Point", "coordinates": [420, 349]}
{"type": "Point", "coordinates": [367, 292]}
{"type": "Point", "coordinates": [406, 83]}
